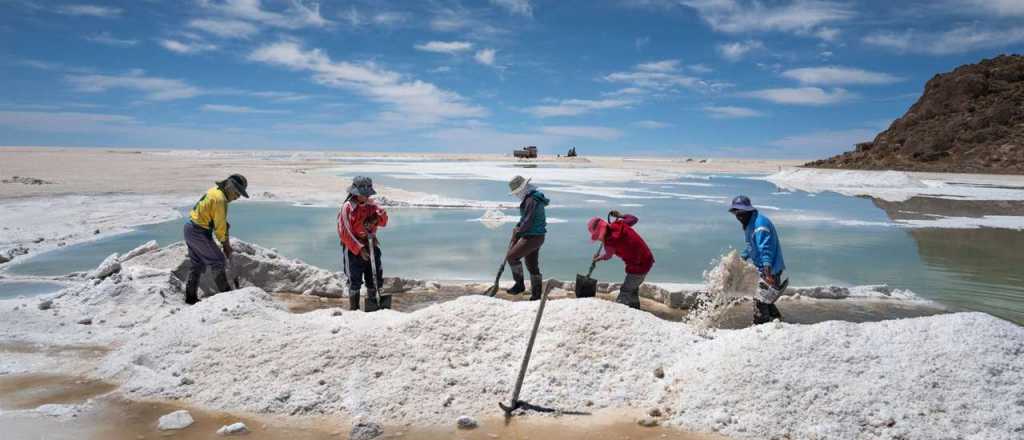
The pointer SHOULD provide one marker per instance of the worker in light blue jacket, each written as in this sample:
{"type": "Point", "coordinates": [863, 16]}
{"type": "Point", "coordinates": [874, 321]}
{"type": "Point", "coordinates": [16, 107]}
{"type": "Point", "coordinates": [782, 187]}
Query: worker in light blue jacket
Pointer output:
{"type": "Point", "coordinates": [764, 250]}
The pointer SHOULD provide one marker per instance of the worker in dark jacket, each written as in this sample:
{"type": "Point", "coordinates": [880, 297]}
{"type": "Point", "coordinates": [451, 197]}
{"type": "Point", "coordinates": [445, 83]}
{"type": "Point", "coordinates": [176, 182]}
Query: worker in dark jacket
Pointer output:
{"type": "Point", "coordinates": [208, 219]}
{"type": "Point", "coordinates": [527, 236]}
{"type": "Point", "coordinates": [764, 251]}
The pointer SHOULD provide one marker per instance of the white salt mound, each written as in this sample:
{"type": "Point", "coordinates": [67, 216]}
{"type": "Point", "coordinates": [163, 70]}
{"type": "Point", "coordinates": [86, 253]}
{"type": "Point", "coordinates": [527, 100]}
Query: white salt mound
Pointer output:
{"type": "Point", "coordinates": [946, 376]}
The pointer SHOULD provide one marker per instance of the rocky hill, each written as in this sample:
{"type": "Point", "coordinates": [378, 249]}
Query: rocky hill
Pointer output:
{"type": "Point", "coordinates": [970, 120]}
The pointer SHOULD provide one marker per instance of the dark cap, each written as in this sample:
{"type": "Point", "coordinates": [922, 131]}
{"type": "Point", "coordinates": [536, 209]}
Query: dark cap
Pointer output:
{"type": "Point", "coordinates": [741, 204]}
{"type": "Point", "coordinates": [240, 184]}
{"type": "Point", "coordinates": [362, 186]}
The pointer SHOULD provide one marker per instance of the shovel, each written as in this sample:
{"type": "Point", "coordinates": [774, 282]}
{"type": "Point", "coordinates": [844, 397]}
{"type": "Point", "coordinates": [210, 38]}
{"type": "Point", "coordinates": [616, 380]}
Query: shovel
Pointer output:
{"type": "Point", "coordinates": [516, 403]}
{"type": "Point", "coordinates": [493, 290]}
{"type": "Point", "coordinates": [377, 281]}
{"type": "Point", "coordinates": [586, 287]}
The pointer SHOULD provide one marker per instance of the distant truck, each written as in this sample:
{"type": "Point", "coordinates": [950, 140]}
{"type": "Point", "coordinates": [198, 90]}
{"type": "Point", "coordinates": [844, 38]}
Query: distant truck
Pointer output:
{"type": "Point", "coordinates": [529, 152]}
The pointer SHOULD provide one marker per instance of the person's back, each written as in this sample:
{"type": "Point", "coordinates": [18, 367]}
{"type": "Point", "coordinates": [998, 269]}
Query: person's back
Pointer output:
{"type": "Point", "coordinates": [629, 246]}
{"type": "Point", "coordinates": [764, 248]}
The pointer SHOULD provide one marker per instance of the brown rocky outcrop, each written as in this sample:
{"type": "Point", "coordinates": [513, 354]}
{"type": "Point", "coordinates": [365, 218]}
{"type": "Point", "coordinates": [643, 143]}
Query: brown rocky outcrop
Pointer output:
{"type": "Point", "coordinates": [970, 120]}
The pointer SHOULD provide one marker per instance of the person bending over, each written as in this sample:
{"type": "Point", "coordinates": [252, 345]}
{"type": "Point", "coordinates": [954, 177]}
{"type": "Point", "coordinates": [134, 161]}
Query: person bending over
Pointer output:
{"type": "Point", "coordinates": [621, 239]}
{"type": "Point", "coordinates": [209, 218]}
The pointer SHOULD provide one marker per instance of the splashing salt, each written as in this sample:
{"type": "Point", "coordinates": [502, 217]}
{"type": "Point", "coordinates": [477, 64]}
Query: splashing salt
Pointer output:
{"type": "Point", "coordinates": [727, 282]}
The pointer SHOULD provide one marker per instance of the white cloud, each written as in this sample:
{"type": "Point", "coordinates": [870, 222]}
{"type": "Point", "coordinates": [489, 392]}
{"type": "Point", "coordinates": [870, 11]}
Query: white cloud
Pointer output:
{"type": "Point", "coordinates": [413, 99]}
{"type": "Point", "coordinates": [627, 91]}
{"type": "Point", "coordinates": [798, 16]}
{"type": "Point", "coordinates": [660, 76]}
{"type": "Point", "coordinates": [731, 112]}
{"type": "Point", "coordinates": [110, 40]}
{"type": "Point", "coordinates": [827, 33]}
{"type": "Point", "coordinates": [485, 56]}
{"type": "Point", "coordinates": [452, 20]}
{"type": "Point", "coordinates": [519, 7]}
{"type": "Point", "coordinates": [223, 108]}
{"type": "Point", "coordinates": [154, 88]}
{"type": "Point", "coordinates": [802, 95]}
{"type": "Point", "coordinates": [736, 50]}
{"type": "Point", "coordinates": [582, 131]}
{"type": "Point", "coordinates": [837, 75]}
{"type": "Point", "coordinates": [700, 68]}
{"type": "Point", "coordinates": [651, 124]}
{"type": "Point", "coordinates": [186, 48]}
{"type": "Point", "coordinates": [659, 66]}
{"type": "Point", "coordinates": [959, 40]}
{"type": "Point", "coordinates": [296, 15]}
{"type": "Point", "coordinates": [226, 28]}
{"type": "Point", "coordinates": [389, 18]}
{"type": "Point", "coordinates": [999, 8]}
{"type": "Point", "coordinates": [356, 19]}
{"type": "Point", "coordinates": [575, 107]}
{"type": "Point", "coordinates": [89, 10]}
{"type": "Point", "coordinates": [448, 47]}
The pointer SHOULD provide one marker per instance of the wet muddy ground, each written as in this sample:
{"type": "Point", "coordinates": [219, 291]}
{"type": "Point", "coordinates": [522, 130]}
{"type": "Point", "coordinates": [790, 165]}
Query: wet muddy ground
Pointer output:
{"type": "Point", "coordinates": [103, 414]}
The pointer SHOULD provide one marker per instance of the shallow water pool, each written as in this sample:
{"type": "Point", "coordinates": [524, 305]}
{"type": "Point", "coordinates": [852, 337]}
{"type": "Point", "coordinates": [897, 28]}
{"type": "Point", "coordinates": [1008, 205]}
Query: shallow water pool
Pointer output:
{"type": "Point", "coordinates": [827, 238]}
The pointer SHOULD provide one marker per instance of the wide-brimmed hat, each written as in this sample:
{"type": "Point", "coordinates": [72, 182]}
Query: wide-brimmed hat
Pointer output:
{"type": "Point", "coordinates": [239, 182]}
{"type": "Point", "coordinates": [741, 204]}
{"type": "Point", "coordinates": [362, 186]}
{"type": "Point", "coordinates": [517, 184]}
{"type": "Point", "coordinates": [597, 227]}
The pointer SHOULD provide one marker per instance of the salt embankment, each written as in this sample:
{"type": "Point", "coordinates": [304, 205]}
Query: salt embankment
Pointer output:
{"type": "Point", "coordinates": [947, 376]}
{"type": "Point", "coordinates": [897, 186]}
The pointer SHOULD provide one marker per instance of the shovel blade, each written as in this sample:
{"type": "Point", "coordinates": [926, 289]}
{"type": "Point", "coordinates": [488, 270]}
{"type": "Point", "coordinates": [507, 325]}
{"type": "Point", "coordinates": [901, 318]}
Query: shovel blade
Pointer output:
{"type": "Point", "coordinates": [586, 287]}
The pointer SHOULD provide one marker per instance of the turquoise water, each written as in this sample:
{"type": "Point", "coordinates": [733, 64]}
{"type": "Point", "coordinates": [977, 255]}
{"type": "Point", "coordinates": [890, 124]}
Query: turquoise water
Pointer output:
{"type": "Point", "coordinates": [969, 269]}
{"type": "Point", "coordinates": [14, 289]}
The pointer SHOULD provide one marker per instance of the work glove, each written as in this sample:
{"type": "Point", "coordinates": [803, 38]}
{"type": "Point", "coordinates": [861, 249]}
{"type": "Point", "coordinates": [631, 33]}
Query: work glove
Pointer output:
{"type": "Point", "coordinates": [226, 246]}
{"type": "Point", "coordinates": [364, 254]}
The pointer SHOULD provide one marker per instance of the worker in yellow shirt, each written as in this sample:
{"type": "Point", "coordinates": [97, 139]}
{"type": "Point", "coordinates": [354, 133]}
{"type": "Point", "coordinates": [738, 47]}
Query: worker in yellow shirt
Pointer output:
{"type": "Point", "coordinates": [209, 218]}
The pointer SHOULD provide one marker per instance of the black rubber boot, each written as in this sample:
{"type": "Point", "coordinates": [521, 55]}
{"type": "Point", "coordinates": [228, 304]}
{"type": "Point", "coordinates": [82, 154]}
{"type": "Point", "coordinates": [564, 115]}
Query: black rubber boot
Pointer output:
{"type": "Point", "coordinates": [221, 279]}
{"type": "Point", "coordinates": [631, 299]}
{"type": "Point", "coordinates": [385, 302]}
{"type": "Point", "coordinates": [371, 301]}
{"type": "Point", "coordinates": [192, 288]}
{"type": "Point", "coordinates": [536, 287]}
{"type": "Point", "coordinates": [520, 285]}
{"type": "Point", "coordinates": [774, 313]}
{"type": "Point", "coordinates": [353, 301]}
{"type": "Point", "coordinates": [762, 312]}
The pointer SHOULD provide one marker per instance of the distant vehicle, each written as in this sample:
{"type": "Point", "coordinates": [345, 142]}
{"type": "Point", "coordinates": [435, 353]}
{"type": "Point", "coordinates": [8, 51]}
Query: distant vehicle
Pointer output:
{"type": "Point", "coordinates": [529, 152]}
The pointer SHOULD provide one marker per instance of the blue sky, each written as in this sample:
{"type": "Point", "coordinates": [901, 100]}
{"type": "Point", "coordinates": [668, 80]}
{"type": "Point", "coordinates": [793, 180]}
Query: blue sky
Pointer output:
{"type": "Point", "coordinates": [768, 79]}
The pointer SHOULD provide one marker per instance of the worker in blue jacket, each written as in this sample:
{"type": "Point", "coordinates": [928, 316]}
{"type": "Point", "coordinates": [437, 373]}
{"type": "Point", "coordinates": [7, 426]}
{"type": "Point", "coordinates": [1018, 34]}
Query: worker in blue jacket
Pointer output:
{"type": "Point", "coordinates": [764, 251]}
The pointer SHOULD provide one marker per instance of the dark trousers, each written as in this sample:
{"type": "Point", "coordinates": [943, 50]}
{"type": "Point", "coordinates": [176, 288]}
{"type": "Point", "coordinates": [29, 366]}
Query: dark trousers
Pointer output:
{"type": "Point", "coordinates": [359, 271]}
{"type": "Point", "coordinates": [526, 247]}
{"type": "Point", "coordinates": [202, 250]}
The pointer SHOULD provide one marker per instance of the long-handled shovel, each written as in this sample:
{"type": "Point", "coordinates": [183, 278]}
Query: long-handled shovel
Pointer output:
{"type": "Point", "coordinates": [493, 290]}
{"type": "Point", "coordinates": [516, 403]}
{"type": "Point", "coordinates": [586, 287]}
{"type": "Point", "coordinates": [373, 267]}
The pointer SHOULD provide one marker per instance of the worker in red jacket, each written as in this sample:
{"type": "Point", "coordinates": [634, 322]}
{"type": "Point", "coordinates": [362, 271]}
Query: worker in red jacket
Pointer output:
{"type": "Point", "coordinates": [358, 221]}
{"type": "Point", "coordinates": [620, 239]}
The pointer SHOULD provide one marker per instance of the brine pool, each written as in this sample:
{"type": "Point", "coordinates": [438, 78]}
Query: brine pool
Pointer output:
{"type": "Point", "coordinates": [827, 238]}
